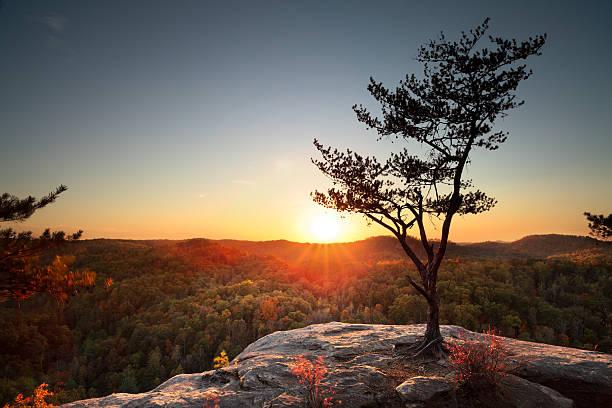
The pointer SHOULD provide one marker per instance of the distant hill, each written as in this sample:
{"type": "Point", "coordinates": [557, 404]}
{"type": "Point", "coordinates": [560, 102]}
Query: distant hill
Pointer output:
{"type": "Point", "coordinates": [386, 248]}
{"type": "Point", "coordinates": [374, 249]}
{"type": "Point", "coordinates": [535, 246]}
{"type": "Point", "coordinates": [371, 249]}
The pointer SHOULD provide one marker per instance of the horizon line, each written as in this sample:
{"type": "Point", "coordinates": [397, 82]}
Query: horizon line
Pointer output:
{"type": "Point", "coordinates": [336, 242]}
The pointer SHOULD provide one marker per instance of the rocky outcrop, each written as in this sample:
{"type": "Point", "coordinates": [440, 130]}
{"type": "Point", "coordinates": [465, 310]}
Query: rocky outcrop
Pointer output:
{"type": "Point", "coordinates": [518, 392]}
{"type": "Point", "coordinates": [428, 391]}
{"type": "Point", "coordinates": [364, 372]}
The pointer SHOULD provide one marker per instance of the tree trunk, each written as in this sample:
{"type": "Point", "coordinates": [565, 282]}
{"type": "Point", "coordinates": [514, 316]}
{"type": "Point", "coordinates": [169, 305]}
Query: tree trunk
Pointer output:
{"type": "Point", "coordinates": [433, 320]}
{"type": "Point", "coordinates": [432, 343]}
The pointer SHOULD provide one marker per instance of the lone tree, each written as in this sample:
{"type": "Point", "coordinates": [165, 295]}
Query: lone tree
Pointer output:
{"type": "Point", "coordinates": [21, 273]}
{"type": "Point", "coordinates": [600, 225]}
{"type": "Point", "coordinates": [450, 111]}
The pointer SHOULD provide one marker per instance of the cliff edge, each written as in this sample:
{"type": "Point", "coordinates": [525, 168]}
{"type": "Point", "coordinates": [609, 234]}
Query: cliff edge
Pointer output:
{"type": "Point", "coordinates": [364, 371]}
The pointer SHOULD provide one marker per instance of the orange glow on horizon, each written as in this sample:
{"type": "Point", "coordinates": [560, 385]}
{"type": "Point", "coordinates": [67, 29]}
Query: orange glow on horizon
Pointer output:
{"type": "Point", "coordinates": [294, 219]}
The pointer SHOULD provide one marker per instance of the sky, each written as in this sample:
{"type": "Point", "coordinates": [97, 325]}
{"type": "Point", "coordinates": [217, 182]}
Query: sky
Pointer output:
{"type": "Point", "coordinates": [196, 119]}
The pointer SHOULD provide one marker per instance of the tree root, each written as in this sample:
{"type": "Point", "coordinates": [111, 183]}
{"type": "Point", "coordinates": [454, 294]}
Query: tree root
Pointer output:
{"type": "Point", "coordinates": [435, 348]}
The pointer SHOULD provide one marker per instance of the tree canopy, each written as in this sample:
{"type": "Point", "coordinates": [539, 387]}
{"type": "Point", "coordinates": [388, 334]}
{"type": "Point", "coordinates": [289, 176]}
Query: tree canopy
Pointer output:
{"type": "Point", "coordinates": [187, 303]}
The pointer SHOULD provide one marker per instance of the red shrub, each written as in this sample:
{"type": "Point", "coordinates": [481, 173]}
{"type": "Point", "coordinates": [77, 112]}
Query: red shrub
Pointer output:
{"type": "Point", "coordinates": [311, 374]}
{"type": "Point", "coordinates": [214, 401]}
{"type": "Point", "coordinates": [479, 362]}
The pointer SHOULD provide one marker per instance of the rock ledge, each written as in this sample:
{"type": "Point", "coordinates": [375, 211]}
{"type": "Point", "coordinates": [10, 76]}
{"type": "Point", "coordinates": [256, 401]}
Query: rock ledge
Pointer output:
{"type": "Point", "coordinates": [359, 358]}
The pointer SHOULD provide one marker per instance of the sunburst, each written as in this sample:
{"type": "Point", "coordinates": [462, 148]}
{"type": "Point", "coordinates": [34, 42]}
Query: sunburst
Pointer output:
{"type": "Point", "coordinates": [325, 227]}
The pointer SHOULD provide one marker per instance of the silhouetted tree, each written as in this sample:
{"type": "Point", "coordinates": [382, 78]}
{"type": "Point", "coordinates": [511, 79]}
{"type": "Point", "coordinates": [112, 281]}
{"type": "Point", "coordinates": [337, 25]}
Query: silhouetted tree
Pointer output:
{"type": "Point", "coordinates": [451, 111]}
{"type": "Point", "coordinates": [21, 275]}
{"type": "Point", "coordinates": [600, 225]}
{"type": "Point", "coordinates": [15, 209]}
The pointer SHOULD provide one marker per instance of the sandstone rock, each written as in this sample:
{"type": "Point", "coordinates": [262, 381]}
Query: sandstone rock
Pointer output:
{"type": "Point", "coordinates": [518, 392]}
{"type": "Point", "coordinates": [432, 392]}
{"type": "Point", "coordinates": [284, 400]}
{"type": "Point", "coordinates": [358, 358]}
{"type": "Point", "coordinates": [581, 375]}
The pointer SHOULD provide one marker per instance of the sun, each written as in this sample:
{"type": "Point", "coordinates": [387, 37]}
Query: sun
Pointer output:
{"type": "Point", "coordinates": [325, 227]}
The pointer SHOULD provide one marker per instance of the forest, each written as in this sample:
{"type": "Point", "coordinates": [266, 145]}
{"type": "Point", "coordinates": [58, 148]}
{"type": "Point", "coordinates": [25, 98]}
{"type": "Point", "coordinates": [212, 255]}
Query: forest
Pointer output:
{"type": "Point", "coordinates": [160, 308]}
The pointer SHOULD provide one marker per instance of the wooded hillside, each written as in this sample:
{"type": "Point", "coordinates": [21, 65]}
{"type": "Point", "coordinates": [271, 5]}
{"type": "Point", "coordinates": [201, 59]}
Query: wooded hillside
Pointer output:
{"type": "Point", "coordinates": [160, 308]}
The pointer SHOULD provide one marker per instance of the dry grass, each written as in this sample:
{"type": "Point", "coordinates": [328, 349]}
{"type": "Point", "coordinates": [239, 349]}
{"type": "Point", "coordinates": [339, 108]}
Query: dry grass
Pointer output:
{"type": "Point", "coordinates": [402, 368]}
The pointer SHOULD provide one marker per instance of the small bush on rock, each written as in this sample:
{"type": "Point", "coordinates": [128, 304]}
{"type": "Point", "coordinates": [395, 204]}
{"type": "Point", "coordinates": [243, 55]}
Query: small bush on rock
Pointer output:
{"type": "Point", "coordinates": [479, 362]}
{"type": "Point", "coordinates": [221, 360]}
{"type": "Point", "coordinates": [311, 374]}
{"type": "Point", "coordinates": [212, 402]}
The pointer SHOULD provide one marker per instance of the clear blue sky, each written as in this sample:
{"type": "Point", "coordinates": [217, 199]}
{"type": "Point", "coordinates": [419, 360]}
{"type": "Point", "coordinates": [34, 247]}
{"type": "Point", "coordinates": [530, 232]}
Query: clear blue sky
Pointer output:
{"type": "Point", "coordinates": [193, 118]}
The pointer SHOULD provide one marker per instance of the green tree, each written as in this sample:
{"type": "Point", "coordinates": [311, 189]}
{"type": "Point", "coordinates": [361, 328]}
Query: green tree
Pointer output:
{"type": "Point", "coordinates": [407, 309]}
{"type": "Point", "coordinates": [451, 111]}
{"type": "Point", "coordinates": [129, 383]}
{"type": "Point", "coordinates": [154, 371]}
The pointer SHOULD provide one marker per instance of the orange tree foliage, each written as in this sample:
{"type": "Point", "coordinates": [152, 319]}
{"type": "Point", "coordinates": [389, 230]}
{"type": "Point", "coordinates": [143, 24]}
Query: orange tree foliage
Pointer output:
{"type": "Point", "coordinates": [36, 400]}
{"type": "Point", "coordinates": [221, 360]}
{"type": "Point", "coordinates": [268, 309]}
{"type": "Point", "coordinates": [25, 277]}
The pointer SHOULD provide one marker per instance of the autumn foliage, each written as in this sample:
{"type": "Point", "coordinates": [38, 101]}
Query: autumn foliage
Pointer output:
{"type": "Point", "coordinates": [311, 375]}
{"type": "Point", "coordinates": [162, 316]}
{"type": "Point", "coordinates": [22, 276]}
{"type": "Point", "coordinates": [479, 362]}
{"type": "Point", "coordinates": [222, 360]}
{"type": "Point", "coordinates": [212, 402]}
{"type": "Point", "coordinates": [36, 400]}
